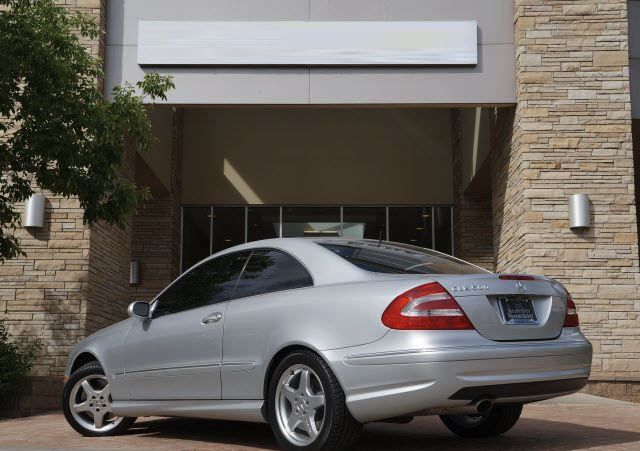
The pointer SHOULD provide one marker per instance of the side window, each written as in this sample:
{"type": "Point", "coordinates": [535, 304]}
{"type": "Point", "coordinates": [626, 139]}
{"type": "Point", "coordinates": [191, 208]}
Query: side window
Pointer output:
{"type": "Point", "coordinates": [209, 283]}
{"type": "Point", "coordinates": [268, 271]}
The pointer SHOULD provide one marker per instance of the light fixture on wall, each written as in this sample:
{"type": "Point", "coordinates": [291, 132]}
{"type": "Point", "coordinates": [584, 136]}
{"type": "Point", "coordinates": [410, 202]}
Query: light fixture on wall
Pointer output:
{"type": "Point", "coordinates": [134, 273]}
{"type": "Point", "coordinates": [579, 212]}
{"type": "Point", "coordinates": [34, 211]}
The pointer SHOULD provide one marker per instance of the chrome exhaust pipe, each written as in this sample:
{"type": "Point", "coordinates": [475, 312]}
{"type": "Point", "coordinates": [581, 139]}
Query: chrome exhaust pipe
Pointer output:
{"type": "Point", "coordinates": [480, 407]}
{"type": "Point", "coordinates": [483, 406]}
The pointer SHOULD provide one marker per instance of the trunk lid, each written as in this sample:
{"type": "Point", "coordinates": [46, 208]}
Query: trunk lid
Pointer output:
{"type": "Point", "coordinates": [510, 310]}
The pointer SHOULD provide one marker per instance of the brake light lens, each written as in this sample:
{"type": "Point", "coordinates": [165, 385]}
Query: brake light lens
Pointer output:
{"type": "Point", "coordinates": [571, 318]}
{"type": "Point", "coordinates": [515, 277]}
{"type": "Point", "coordinates": [427, 307]}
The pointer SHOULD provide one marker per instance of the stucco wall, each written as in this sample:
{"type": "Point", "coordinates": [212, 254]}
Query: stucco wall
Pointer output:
{"type": "Point", "coordinates": [317, 156]}
{"type": "Point", "coordinates": [490, 82]}
{"type": "Point", "coordinates": [158, 158]}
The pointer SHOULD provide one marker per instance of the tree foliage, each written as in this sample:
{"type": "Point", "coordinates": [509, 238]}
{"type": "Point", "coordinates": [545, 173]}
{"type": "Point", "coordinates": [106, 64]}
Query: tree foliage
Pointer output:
{"type": "Point", "coordinates": [56, 128]}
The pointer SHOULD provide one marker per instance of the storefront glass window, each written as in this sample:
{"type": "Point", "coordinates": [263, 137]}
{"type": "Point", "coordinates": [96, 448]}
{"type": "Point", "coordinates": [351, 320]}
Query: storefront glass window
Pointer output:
{"type": "Point", "coordinates": [196, 232]}
{"type": "Point", "coordinates": [411, 225]}
{"type": "Point", "coordinates": [263, 223]}
{"type": "Point", "coordinates": [443, 229]}
{"type": "Point", "coordinates": [310, 222]}
{"type": "Point", "coordinates": [429, 227]}
{"type": "Point", "coordinates": [228, 227]}
{"type": "Point", "coordinates": [365, 222]}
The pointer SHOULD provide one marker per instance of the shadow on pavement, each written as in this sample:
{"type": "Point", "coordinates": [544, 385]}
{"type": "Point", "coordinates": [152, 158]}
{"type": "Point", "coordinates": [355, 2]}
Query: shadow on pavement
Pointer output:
{"type": "Point", "coordinates": [224, 432]}
{"type": "Point", "coordinates": [423, 433]}
{"type": "Point", "coordinates": [529, 434]}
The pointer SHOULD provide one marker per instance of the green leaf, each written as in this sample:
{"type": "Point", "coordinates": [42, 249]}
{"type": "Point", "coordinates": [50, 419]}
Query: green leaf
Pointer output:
{"type": "Point", "coordinates": [56, 128]}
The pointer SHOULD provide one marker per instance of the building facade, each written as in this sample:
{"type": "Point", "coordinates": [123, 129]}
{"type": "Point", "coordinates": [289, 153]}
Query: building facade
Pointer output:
{"type": "Point", "coordinates": [473, 158]}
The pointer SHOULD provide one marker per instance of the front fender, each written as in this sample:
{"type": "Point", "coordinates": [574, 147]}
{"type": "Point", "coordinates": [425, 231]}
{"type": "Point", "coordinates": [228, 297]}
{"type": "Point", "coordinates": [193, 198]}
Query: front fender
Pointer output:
{"type": "Point", "coordinates": [106, 346]}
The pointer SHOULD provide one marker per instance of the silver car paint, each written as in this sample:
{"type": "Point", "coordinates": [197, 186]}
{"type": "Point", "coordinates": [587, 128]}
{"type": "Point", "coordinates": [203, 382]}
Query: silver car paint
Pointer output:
{"type": "Point", "coordinates": [384, 373]}
{"type": "Point", "coordinates": [320, 318]}
{"type": "Point", "coordinates": [547, 296]}
{"type": "Point", "coordinates": [408, 371]}
{"type": "Point", "coordinates": [106, 346]}
{"type": "Point", "coordinates": [175, 356]}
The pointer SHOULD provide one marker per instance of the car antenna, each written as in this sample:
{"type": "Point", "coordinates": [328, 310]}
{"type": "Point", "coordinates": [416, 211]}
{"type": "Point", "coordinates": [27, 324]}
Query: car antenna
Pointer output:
{"type": "Point", "coordinates": [380, 239]}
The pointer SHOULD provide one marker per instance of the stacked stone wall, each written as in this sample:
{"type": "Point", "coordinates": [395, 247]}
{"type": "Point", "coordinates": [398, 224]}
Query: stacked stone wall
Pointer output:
{"type": "Point", "coordinates": [571, 133]}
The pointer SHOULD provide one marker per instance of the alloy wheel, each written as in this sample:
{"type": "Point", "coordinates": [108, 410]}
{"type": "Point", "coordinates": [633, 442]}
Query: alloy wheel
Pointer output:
{"type": "Point", "coordinates": [90, 404]}
{"type": "Point", "coordinates": [300, 405]}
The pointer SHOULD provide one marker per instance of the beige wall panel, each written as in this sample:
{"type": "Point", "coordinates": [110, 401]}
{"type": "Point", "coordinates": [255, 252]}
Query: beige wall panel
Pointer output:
{"type": "Point", "coordinates": [159, 156]}
{"type": "Point", "coordinates": [332, 156]}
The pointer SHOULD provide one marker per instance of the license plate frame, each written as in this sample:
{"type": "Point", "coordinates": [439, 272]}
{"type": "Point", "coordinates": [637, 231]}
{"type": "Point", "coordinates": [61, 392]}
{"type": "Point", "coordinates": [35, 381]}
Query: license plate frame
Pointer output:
{"type": "Point", "coordinates": [518, 311]}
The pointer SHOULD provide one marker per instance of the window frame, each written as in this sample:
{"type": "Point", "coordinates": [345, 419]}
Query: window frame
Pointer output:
{"type": "Point", "coordinates": [282, 251]}
{"type": "Point", "coordinates": [156, 300]}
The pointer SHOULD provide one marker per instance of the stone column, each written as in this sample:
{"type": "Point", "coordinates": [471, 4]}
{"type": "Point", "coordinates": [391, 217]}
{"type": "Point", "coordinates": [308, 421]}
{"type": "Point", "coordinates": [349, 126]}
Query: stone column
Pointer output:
{"type": "Point", "coordinates": [636, 159]}
{"type": "Point", "coordinates": [45, 295]}
{"type": "Point", "coordinates": [473, 226]}
{"type": "Point", "coordinates": [156, 228]}
{"type": "Point", "coordinates": [571, 133]}
{"type": "Point", "coordinates": [109, 263]}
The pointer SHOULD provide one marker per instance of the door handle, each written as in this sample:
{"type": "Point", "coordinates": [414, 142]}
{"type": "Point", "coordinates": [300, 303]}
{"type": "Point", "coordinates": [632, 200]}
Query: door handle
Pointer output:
{"type": "Point", "coordinates": [213, 318]}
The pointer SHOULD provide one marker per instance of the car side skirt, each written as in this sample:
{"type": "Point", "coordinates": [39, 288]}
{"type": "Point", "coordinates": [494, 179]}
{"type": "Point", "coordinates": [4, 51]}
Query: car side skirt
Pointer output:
{"type": "Point", "coordinates": [233, 410]}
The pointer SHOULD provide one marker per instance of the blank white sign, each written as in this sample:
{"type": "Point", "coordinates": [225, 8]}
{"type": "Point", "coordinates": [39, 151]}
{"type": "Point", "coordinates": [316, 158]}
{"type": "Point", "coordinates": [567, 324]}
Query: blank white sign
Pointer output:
{"type": "Point", "coordinates": [292, 43]}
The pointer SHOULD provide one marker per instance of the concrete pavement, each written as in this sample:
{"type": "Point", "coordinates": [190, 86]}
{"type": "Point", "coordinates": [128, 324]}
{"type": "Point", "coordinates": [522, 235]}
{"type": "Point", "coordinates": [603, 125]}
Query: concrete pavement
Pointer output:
{"type": "Point", "coordinates": [574, 422]}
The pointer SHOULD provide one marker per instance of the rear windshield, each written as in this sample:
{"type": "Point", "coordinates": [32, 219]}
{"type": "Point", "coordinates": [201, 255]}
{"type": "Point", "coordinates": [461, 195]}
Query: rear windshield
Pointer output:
{"type": "Point", "coordinates": [396, 258]}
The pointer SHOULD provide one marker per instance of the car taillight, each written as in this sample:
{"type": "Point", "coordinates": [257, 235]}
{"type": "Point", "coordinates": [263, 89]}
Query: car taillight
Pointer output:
{"type": "Point", "coordinates": [427, 307]}
{"type": "Point", "coordinates": [571, 318]}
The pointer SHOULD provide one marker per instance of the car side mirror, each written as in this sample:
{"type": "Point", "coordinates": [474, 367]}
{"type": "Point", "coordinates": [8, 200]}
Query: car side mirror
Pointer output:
{"type": "Point", "coordinates": [139, 309]}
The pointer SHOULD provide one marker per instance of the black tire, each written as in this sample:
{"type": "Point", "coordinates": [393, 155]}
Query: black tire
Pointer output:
{"type": "Point", "coordinates": [499, 420]}
{"type": "Point", "coordinates": [340, 431]}
{"type": "Point", "coordinates": [91, 368]}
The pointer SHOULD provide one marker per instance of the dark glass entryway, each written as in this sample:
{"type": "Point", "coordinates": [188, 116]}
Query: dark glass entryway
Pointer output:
{"type": "Point", "coordinates": [210, 229]}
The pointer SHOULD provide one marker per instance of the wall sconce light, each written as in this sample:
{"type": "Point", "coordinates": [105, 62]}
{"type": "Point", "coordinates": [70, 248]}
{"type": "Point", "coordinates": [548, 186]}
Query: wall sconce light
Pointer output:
{"type": "Point", "coordinates": [579, 212]}
{"type": "Point", "coordinates": [34, 211]}
{"type": "Point", "coordinates": [134, 273]}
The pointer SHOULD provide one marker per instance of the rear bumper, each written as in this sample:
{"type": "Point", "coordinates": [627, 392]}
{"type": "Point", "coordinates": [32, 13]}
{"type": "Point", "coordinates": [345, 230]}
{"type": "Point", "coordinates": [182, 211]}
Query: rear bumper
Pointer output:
{"type": "Point", "coordinates": [520, 389]}
{"type": "Point", "coordinates": [407, 372]}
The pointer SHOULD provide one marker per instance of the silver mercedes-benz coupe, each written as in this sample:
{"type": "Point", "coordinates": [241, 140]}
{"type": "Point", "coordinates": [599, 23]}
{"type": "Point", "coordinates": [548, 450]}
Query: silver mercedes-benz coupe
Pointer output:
{"type": "Point", "coordinates": [318, 336]}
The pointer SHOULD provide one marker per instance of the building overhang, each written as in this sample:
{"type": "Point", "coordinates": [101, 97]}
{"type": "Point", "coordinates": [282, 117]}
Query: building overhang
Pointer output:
{"type": "Point", "coordinates": [442, 52]}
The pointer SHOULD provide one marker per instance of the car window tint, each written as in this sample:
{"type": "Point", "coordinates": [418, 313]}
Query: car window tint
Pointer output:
{"type": "Point", "coordinates": [268, 271]}
{"type": "Point", "coordinates": [385, 257]}
{"type": "Point", "coordinates": [209, 283]}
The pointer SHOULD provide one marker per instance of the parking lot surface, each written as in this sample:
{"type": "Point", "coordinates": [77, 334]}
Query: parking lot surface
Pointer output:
{"type": "Point", "coordinates": [574, 422]}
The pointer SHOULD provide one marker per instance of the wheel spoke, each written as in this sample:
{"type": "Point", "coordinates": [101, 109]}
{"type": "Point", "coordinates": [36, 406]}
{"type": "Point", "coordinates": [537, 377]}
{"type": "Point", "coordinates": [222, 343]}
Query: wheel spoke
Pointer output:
{"type": "Point", "coordinates": [88, 389]}
{"type": "Point", "coordinates": [305, 382]}
{"type": "Point", "coordinates": [289, 393]}
{"type": "Point", "coordinates": [81, 407]}
{"type": "Point", "coordinates": [315, 401]}
{"type": "Point", "coordinates": [310, 427]}
{"type": "Point", "coordinates": [98, 418]}
{"type": "Point", "coordinates": [293, 422]}
{"type": "Point", "coordinates": [105, 392]}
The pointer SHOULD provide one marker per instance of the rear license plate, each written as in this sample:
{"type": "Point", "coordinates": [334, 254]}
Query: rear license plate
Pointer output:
{"type": "Point", "coordinates": [518, 311]}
